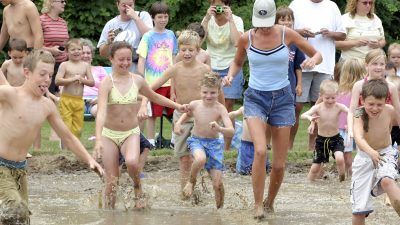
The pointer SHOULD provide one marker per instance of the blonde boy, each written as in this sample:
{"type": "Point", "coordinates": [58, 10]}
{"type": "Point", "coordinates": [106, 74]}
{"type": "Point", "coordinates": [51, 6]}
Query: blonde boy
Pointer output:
{"type": "Point", "coordinates": [13, 68]}
{"type": "Point", "coordinates": [186, 76]}
{"type": "Point", "coordinates": [25, 111]}
{"type": "Point", "coordinates": [326, 114]}
{"type": "Point", "coordinates": [73, 75]}
{"type": "Point", "coordinates": [204, 144]}
{"type": "Point", "coordinates": [375, 165]}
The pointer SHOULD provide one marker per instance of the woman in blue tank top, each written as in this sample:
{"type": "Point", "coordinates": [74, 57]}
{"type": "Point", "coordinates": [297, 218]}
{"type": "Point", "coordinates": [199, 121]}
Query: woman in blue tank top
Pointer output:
{"type": "Point", "coordinates": [268, 101]}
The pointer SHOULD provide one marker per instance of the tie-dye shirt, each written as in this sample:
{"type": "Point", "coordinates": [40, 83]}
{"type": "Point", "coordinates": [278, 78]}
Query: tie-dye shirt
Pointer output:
{"type": "Point", "coordinates": [158, 49]}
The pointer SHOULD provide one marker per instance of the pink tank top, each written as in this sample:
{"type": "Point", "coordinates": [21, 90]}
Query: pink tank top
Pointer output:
{"type": "Point", "coordinates": [344, 98]}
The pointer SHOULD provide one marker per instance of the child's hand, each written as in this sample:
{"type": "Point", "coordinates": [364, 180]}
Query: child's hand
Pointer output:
{"type": "Point", "coordinates": [215, 126]}
{"type": "Point", "coordinates": [311, 128]}
{"type": "Point", "coordinates": [183, 108]}
{"type": "Point", "coordinates": [227, 81]}
{"type": "Point", "coordinates": [142, 113]}
{"type": "Point", "coordinates": [308, 64]}
{"type": "Point", "coordinates": [96, 167]}
{"type": "Point", "coordinates": [313, 118]}
{"type": "Point", "coordinates": [299, 90]}
{"type": "Point", "coordinates": [377, 158]}
{"type": "Point", "coordinates": [178, 129]}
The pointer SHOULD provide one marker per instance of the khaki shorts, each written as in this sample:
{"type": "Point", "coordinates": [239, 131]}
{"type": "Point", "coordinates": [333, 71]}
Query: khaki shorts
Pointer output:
{"type": "Point", "coordinates": [13, 196]}
{"type": "Point", "coordinates": [180, 147]}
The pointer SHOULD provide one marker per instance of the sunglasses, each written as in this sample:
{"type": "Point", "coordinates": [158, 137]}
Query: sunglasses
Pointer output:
{"type": "Point", "coordinates": [367, 3]}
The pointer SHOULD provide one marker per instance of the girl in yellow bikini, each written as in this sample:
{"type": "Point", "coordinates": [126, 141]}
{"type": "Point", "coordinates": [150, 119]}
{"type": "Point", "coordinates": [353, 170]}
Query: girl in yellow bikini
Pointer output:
{"type": "Point", "coordinates": [117, 127]}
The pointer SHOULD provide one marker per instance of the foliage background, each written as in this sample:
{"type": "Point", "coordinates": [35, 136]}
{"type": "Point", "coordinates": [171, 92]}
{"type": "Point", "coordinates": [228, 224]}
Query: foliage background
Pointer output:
{"type": "Point", "coordinates": [87, 18]}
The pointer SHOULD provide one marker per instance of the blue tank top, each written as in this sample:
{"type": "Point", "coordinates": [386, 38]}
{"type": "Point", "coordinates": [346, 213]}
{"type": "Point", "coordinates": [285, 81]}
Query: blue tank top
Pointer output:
{"type": "Point", "coordinates": [268, 68]}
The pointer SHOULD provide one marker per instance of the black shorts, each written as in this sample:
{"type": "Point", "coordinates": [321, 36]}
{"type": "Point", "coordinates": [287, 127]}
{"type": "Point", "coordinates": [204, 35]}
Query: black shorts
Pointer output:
{"type": "Point", "coordinates": [395, 134]}
{"type": "Point", "coordinates": [325, 145]}
{"type": "Point", "coordinates": [144, 143]}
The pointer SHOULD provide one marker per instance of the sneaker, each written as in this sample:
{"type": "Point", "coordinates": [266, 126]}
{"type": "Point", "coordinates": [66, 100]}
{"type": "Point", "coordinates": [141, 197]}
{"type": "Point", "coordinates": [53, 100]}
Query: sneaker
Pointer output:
{"type": "Point", "coordinates": [28, 156]}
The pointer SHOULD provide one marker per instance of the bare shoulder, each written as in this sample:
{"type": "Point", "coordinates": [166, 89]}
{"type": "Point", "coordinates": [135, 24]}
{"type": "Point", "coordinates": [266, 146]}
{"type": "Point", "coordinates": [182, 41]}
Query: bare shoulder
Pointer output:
{"type": "Point", "coordinates": [29, 5]}
{"type": "Point", "coordinates": [6, 93]}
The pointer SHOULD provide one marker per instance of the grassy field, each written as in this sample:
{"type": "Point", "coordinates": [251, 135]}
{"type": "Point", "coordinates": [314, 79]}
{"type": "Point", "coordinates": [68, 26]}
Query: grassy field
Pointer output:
{"type": "Point", "coordinates": [298, 153]}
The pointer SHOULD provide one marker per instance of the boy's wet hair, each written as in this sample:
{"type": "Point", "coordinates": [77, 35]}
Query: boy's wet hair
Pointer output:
{"type": "Point", "coordinates": [37, 55]}
{"type": "Point", "coordinates": [198, 28]}
{"type": "Point", "coordinates": [189, 37]}
{"type": "Point", "coordinates": [328, 86]}
{"type": "Point", "coordinates": [73, 41]}
{"type": "Point", "coordinates": [18, 45]}
{"type": "Point", "coordinates": [116, 45]}
{"type": "Point", "coordinates": [282, 12]}
{"type": "Point", "coordinates": [378, 89]}
{"type": "Point", "coordinates": [158, 8]}
{"type": "Point", "coordinates": [374, 55]}
{"type": "Point", "coordinates": [211, 80]}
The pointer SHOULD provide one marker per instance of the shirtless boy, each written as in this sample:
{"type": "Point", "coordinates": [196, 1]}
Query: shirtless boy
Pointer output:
{"type": "Point", "coordinates": [13, 68]}
{"type": "Point", "coordinates": [23, 111]}
{"type": "Point", "coordinates": [21, 20]}
{"type": "Point", "coordinates": [375, 165]}
{"type": "Point", "coordinates": [73, 75]}
{"type": "Point", "coordinates": [186, 77]}
{"type": "Point", "coordinates": [326, 114]}
{"type": "Point", "coordinates": [205, 146]}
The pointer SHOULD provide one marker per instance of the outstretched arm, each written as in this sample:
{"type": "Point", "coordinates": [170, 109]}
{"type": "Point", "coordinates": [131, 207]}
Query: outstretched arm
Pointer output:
{"type": "Point", "coordinates": [311, 114]}
{"type": "Point", "coordinates": [72, 143]}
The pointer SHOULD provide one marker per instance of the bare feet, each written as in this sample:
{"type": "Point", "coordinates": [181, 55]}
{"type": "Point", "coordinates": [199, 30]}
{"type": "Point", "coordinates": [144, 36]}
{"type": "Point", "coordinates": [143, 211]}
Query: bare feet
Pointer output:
{"type": "Point", "coordinates": [188, 189]}
{"type": "Point", "coordinates": [268, 207]}
{"type": "Point", "coordinates": [140, 198]}
{"type": "Point", "coordinates": [342, 177]}
{"type": "Point", "coordinates": [259, 213]}
{"type": "Point", "coordinates": [219, 196]}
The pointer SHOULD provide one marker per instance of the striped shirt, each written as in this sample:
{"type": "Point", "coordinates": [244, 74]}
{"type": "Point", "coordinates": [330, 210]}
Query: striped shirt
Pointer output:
{"type": "Point", "coordinates": [55, 33]}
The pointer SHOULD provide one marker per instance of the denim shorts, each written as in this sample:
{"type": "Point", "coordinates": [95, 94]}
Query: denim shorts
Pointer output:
{"type": "Point", "coordinates": [213, 148]}
{"type": "Point", "coordinates": [273, 107]}
{"type": "Point", "coordinates": [236, 89]}
{"type": "Point", "coordinates": [348, 147]}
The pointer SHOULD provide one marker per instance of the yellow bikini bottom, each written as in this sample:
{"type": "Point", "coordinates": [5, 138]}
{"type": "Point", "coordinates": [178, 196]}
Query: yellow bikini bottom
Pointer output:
{"type": "Point", "coordinates": [119, 137]}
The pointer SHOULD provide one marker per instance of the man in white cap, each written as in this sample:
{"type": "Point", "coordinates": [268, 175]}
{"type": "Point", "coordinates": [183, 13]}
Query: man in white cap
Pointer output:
{"type": "Point", "coordinates": [319, 21]}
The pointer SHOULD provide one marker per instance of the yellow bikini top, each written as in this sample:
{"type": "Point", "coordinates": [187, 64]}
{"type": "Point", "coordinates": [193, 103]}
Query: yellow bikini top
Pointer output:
{"type": "Point", "coordinates": [115, 96]}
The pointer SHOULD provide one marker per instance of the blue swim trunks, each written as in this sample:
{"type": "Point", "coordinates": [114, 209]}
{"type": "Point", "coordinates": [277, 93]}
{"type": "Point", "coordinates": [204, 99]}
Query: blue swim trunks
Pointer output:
{"type": "Point", "coordinates": [244, 163]}
{"type": "Point", "coordinates": [212, 147]}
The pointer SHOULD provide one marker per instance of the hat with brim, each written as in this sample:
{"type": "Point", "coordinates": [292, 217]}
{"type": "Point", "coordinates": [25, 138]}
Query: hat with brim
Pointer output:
{"type": "Point", "coordinates": [264, 12]}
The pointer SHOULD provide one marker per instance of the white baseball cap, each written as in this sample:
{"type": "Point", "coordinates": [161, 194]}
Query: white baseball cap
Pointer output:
{"type": "Point", "coordinates": [264, 12]}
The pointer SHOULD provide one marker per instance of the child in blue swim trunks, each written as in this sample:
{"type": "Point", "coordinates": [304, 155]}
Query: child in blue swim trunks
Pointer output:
{"type": "Point", "coordinates": [206, 148]}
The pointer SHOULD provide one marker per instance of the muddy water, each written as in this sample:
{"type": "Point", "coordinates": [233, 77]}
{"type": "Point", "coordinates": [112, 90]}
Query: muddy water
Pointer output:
{"type": "Point", "coordinates": [72, 198]}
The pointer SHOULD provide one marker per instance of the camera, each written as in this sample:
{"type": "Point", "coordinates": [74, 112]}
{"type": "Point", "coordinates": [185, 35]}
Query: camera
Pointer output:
{"type": "Point", "coordinates": [117, 31]}
{"type": "Point", "coordinates": [219, 9]}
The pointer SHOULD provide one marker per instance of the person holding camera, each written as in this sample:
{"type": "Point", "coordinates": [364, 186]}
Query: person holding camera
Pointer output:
{"type": "Point", "coordinates": [55, 34]}
{"type": "Point", "coordinates": [129, 26]}
{"type": "Point", "coordinates": [223, 30]}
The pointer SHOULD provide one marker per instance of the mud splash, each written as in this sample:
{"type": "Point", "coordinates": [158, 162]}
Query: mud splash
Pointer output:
{"type": "Point", "coordinates": [62, 191]}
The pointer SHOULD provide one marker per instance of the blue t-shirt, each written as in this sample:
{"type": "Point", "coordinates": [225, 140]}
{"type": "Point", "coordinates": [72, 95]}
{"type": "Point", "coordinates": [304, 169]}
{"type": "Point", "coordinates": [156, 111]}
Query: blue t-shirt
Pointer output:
{"type": "Point", "coordinates": [296, 57]}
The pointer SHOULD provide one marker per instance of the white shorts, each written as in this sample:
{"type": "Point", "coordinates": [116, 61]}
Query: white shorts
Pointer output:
{"type": "Point", "coordinates": [365, 182]}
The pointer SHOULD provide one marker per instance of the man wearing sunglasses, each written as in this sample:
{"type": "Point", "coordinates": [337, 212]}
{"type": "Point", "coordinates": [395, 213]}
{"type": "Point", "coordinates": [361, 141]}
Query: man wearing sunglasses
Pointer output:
{"type": "Point", "coordinates": [21, 20]}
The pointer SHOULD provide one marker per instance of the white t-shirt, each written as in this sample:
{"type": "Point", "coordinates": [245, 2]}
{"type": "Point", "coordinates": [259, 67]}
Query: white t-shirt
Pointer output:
{"type": "Point", "coordinates": [361, 27]}
{"type": "Point", "coordinates": [315, 16]}
{"type": "Point", "coordinates": [222, 51]}
{"type": "Point", "coordinates": [130, 32]}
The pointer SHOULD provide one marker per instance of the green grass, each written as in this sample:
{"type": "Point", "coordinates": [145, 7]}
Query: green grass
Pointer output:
{"type": "Point", "coordinates": [299, 152]}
